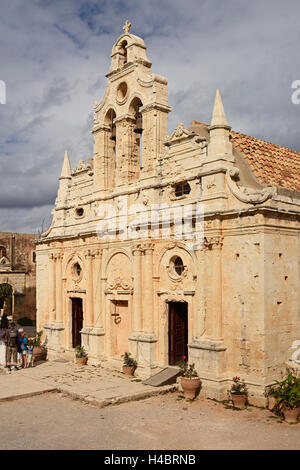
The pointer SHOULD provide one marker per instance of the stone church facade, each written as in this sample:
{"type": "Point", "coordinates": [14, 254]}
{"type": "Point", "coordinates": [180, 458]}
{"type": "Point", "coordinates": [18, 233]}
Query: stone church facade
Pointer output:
{"type": "Point", "coordinates": [229, 302]}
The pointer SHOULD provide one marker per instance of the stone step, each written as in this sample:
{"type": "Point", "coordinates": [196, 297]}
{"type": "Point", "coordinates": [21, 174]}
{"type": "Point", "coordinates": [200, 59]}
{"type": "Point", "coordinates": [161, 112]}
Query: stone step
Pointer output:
{"type": "Point", "coordinates": [166, 376]}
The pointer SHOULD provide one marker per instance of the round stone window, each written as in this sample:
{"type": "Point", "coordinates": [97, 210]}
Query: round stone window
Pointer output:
{"type": "Point", "coordinates": [178, 265]}
{"type": "Point", "coordinates": [79, 212]}
{"type": "Point", "coordinates": [122, 92]}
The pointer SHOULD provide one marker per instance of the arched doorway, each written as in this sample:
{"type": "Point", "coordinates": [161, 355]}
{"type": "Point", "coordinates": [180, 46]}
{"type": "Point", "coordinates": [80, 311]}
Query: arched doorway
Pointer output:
{"type": "Point", "coordinates": [178, 331]}
{"type": "Point", "coordinates": [6, 298]}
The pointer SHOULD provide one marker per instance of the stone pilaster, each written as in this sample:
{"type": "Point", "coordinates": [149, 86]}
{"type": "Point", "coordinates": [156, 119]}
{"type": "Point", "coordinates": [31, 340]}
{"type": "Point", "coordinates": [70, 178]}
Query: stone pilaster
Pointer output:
{"type": "Point", "coordinates": [155, 130]}
{"type": "Point", "coordinates": [89, 320]}
{"type": "Point", "coordinates": [148, 288]}
{"type": "Point", "coordinates": [213, 248]}
{"type": "Point", "coordinates": [52, 288]}
{"type": "Point", "coordinates": [103, 156]}
{"type": "Point", "coordinates": [143, 344]}
{"type": "Point", "coordinates": [137, 290]}
{"type": "Point", "coordinates": [127, 151]}
{"type": "Point", "coordinates": [59, 307]}
{"type": "Point", "coordinates": [208, 350]}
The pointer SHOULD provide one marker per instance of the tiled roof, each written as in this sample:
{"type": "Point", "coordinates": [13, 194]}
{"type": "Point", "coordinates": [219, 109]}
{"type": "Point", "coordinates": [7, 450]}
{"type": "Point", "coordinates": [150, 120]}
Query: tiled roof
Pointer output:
{"type": "Point", "coordinates": [272, 164]}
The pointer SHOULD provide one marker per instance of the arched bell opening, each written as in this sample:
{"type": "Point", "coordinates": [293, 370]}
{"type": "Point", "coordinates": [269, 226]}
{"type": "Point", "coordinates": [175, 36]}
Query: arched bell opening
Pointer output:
{"type": "Point", "coordinates": [122, 53]}
{"type": "Point", "coordinates": [111, 144]}
{"type": "Point", "coordinates": [135, 110]}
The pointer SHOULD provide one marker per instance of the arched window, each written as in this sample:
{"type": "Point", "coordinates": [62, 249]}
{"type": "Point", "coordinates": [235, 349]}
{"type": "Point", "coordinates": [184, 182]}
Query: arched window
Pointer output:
{"type": "Point", "coordinates": [182, 188]}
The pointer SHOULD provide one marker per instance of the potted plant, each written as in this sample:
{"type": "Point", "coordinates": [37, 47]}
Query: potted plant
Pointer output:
{"type": "Point", "coordinates": [190, 381]}
{"type": "Point", "coordinates": [287, 396]}
{"type": "Point", "coordinates": [238, 392]}
{"type": "Point", "coordinates": [271, 398]}
{"type": "Point", "coordinates": [81, 355]}
{"type": "Point", "coordinates": [39, 349]}
{"type": "Point", "coordinates": [130, 364]}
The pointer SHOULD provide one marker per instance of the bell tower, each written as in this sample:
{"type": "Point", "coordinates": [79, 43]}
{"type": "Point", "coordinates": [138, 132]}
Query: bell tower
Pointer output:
{"type": "Point", "coordinates": [131, 122]}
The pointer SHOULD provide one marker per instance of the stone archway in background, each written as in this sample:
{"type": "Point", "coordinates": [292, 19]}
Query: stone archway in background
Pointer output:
{"type": "Point", "coordinates": [6, 298]}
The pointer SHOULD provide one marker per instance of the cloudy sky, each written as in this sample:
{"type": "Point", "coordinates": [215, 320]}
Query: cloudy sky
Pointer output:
{"type": "Point", "coordinates": [54, 55]}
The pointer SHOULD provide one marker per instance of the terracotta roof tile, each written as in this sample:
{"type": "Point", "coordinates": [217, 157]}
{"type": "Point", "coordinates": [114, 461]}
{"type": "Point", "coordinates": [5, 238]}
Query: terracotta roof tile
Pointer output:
{"type": "Point", "coordinates": [272, 164]}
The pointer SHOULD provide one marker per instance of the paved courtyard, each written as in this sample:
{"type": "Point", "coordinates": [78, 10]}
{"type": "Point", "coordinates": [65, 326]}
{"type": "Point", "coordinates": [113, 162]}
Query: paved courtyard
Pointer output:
{"type": "Point", "coordinates": [52, 421]}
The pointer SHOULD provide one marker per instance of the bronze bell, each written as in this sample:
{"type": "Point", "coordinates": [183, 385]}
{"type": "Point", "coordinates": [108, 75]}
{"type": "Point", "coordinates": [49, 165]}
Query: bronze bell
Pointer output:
{"type": "Point", "coordinates": [113, 133]}
{"type": "Point", "coordinates": [138, 126]}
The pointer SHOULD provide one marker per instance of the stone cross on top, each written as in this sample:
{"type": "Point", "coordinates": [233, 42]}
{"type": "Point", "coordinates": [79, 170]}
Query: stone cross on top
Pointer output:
{"type": "Point", "coordinates": [127, 26]}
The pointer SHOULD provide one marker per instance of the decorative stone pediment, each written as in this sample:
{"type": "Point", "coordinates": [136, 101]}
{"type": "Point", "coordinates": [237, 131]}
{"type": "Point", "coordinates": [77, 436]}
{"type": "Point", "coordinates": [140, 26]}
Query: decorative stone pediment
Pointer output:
{"type": "Point", "coordinates": [244, 194]}
{"type": "Point", "coordinates": [83, 167]}
{"type": "Point", "coordinates": [178, 134]}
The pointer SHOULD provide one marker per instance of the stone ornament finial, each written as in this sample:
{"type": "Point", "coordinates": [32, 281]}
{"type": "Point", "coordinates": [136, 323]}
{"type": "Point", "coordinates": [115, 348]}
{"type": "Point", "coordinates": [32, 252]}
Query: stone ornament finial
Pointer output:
{"type": "Point", "coordinates": [127, 26]}
{"type": "Point", "coordinates": [218, 116]}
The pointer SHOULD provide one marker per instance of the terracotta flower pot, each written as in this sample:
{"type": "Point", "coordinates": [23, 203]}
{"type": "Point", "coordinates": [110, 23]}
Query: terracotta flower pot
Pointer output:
{"type": "Point", "coordinates": [129, 370]}
{"type": "Point", "coordinates": [81, 360]}
{"type": "Point", "coordinates": [190, 387]}
{"type": "Point", "coordinates": [290, 415]}
{"type": "Point", "coordinates": [239, 401]}
{"type": "Point", "coordinates": [271, 402]}
{"type": "Point", "coordinates": [39, 353]}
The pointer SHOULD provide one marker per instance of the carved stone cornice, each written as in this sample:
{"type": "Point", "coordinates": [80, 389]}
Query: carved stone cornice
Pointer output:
{"type": "Point", "coordinates": [159, 107]}
{"type": "Point", "coordinates": [244, 194]}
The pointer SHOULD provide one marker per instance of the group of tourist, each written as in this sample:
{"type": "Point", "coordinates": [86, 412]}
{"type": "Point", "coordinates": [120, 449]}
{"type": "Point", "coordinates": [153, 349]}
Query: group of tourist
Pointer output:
{"type": "Point", "coordinates": [18, 348]}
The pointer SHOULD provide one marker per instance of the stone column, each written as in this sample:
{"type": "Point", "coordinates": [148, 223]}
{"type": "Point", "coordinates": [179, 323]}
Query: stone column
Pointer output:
{"type": "Point", "coordinates": [52, 288]}
{"type": "Point", "coordinates": [137, 290]}
{"type": "Point", "coordinates": [148, 322]}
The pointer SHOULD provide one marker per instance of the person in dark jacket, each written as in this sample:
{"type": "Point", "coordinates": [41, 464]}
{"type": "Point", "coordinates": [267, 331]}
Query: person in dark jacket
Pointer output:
{"type": "Point", "coordinates": [11, 341]}
{"type": "Point", "coordinates": [4, 322]}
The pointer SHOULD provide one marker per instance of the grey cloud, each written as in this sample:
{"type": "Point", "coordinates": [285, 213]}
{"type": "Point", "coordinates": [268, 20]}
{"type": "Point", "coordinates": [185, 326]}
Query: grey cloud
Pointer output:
{"type": "Point", "coordinates": [54, 56]}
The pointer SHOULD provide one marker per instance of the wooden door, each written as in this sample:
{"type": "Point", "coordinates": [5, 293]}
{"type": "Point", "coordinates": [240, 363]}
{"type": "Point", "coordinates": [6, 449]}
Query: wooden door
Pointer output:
{"type": "Point", "coordinates": [178, 331]}
{"type": "Point", "coordinates": [77, 322]}
{"type": "Point", "coordinates": [121, 327]}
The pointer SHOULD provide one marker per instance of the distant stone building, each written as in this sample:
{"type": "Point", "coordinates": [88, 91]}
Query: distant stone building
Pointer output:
{"type": "Point", "coordinates": [18, 269]}
{"type": "Point", "coordinates": [230, 303]}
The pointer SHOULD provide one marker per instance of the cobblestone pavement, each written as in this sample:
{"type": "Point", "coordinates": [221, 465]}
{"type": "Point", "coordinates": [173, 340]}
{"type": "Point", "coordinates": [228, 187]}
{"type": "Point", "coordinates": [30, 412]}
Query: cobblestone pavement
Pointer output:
{"type": "Point", "coordinates": [53, 421]}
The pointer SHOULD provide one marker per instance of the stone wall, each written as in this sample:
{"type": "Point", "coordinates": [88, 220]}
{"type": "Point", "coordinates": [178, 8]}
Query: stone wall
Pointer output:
{"type": "Point", "coordinates": [19, 271]}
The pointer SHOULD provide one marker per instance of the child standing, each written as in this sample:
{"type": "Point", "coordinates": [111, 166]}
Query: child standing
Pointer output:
{"type": "Point", "coordinates": [20, 352]}
{"type": "Point", "coordinates": [30, 353]}
{"type": "Point", "coordinates": [24, 342]}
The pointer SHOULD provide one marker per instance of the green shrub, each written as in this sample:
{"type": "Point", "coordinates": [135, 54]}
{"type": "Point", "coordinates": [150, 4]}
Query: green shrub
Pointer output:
{"type": "Point", "coordinates": [128, 360]}
{"type": "Point", "coordinates": [287, 392]}
{"type": "Point", "coordinates": [80, 351]}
